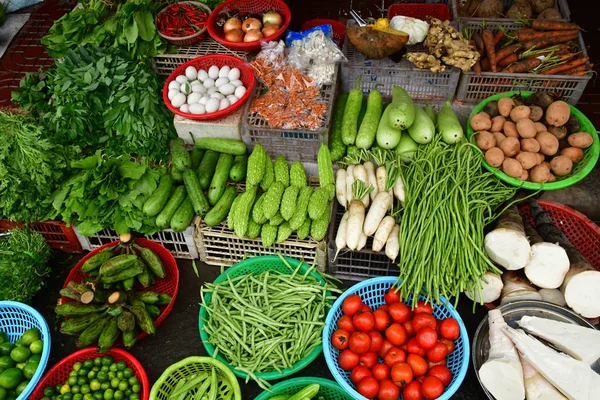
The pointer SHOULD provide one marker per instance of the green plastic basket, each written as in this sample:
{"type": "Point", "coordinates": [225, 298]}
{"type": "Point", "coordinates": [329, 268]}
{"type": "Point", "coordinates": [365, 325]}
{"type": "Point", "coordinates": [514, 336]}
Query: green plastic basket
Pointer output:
{"type": "Point", "coordinates": [329, 390]}
{"type": "Point", "coordinates": [580, 169]}
{"type": "Point", "coordinates": [255, 266]}
{"type": "Point", "coordinates": [192, 365]}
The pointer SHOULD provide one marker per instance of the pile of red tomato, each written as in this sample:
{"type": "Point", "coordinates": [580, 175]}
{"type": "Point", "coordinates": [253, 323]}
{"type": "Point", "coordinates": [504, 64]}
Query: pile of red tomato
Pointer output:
{"type": "Point", "coordinates": [394, 350]}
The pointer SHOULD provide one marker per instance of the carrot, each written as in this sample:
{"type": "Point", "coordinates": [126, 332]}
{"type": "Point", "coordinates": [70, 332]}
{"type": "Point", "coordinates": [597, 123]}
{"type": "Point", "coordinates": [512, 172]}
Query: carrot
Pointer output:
{"type": "Point", "coordinates": [524, 37]}
{"type": "Point", "coordinates": [542, 43]}
{"type": "Point", "coordinates": [477, 68]}
{"type": "Point", "coordinates": [546, 25]}
{"type": "Point", "coordinates": [507, 51]}
{"type": "Point", "coordinates": [523, 66]}
{"type": "Point", "coordinates": [485, 65]}
{"type": "Point", "coordinates": [499, 36]}
{"type": "Point", "coordinates": [577, 70]}
{"type": "Point", "coordinates": [479, 42]}
{"type": "Point", "coordinates": [566, 66]}
{"type": "Point", "coordinates": [508, 60]}
{"type": "Point", "coordinates": [490, 49]}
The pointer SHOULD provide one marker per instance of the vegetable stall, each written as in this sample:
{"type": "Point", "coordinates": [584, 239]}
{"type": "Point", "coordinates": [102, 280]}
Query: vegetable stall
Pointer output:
{"type": "Point", "coordinates": [284, 208]}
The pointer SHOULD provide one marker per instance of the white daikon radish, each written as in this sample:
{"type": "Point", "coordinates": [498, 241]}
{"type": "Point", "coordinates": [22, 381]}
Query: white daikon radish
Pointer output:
{"type": "Point", "coordinates": [507, 245]}
{"type": "Point", "coordinates": [536, 386]}
{"type": "Point", "coordinates": [573, 378]}
{"type": "Point", "coordinates": [360, 173]}
{"type": "Point", "coordinates": [392, 246]}
{"type": "Point", "coordinates": [362, 241]}
{"type": "Point", "coordinates": [516, 287]}
{"type": "Point", "coordinates": [399, 190]}
{"type": "Point", "coordinates": [553, 296]}
{"type": "Point", "coordinates": [383, 232]}
{"type": "Point", "coordinates": [380, 175]}
{"type": "Point", "coordinates": [349, 182]}
{"type": "Point", "coordinates": [376, 213]}
{"type": "Point", "coordinates": [370, 168]}
{"type": "Point", "coordinates": [548, 262]}
{"type": "Point", "coordinates": [502, 374]}
{"type": "Point", "coordinates": [491, 288]}
{"type": "Point", "coordinates": [340, 237]}
{"type": "Point", "coordinates": [340, 187]}
{"type": "Point", "coordinates": [356, 219]}
{"type": "Point", "coordinates": [580, 342]}
{"type": "Point", "coordinates": [391, 194]}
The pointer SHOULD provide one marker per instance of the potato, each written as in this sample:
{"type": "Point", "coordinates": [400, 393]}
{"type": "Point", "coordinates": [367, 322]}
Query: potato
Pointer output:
{"type": "Point", "coordinates": [539, 127]}
{"type": "Point", "coordinates": [375, 43]}
{"type": "Point", "coordinates": [497, 123]}
{"type": "Point", "coordinates": [527, 159]}
{"type": "Point", "coordinates": [582, 140]}
{"type": "Point", "coordinates": [494, 156]}
{"type": "Point", "coordinates": [541, 158]}
{"type": "Point", "coordinates": [563, 144]}
{"type": "Point", "coordinates": [485, 140]}
{"type": "Point", "coordinates": [499, 137]}
{"type": "Point", "coordinates": [481, 122]}
{"type": "Point", "coordinates": [520, 112]}
{"type": "Point", "coordinates": [526, 128]}
{"type": "Point", "coordinates": [552, 178]}
{"type": "Point", "coordinates": [575, 154]}
{"type": "Point", "coordinates": [540, 99]}
{"type": "Point", "coordinates": [505, 106]}
{"type": "Point", "coordinates": [510, 129]}
{"type": "Point", "coordinates": [512, 167]}
{"type": "Point", "coordinates": [550, 14]}
{"type": "Point", "coordinates": [540, 5]}
{"type": "Point", "coordinates": [530, 145]}
{"type": "Point", "coordinates": [519, 11]}
{"type": "Point", "coordinates": [510, 146]}
{"type": "Point", "coordinates": [561, 165]}
{"type": "Point", "coordinates": [539, 173]}
{"type": "Point", "coordinates": [525, 175]}
{"type": "Point", "coordinates": [536, 113]}
{"type": "Point", "coordinates": [548, 143]}
{"type": "Point", "coordinates": [559, 131]}
{"type": "Point", "coordinates": [558, 113]}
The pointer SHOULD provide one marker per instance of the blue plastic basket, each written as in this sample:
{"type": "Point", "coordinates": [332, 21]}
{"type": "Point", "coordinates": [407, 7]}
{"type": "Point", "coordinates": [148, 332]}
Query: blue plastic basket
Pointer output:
{"type": "Point", "coordinates": [15, 319]}
{"type": "Point", "coordinates": [371, 291]}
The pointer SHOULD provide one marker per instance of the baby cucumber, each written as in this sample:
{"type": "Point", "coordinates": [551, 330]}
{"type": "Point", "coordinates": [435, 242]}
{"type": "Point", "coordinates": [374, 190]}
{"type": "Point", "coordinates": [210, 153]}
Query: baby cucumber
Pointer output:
{"type": "Point", "coordinates": [183, 217]}
{"type": "Point", "coordinates": [207, 167]}
{"type": "Point", "coordinates": [159, 198]}
{"type": "Point", "coordinates": [196, 156]}
{"type": "Point", "coordinates": [351, 111]}
{"type": "Point", "coordinates": [336, 144]}
{"type": "Point", "coordinates": [237, 173]}
{"type": "Point", "coordinates": [230, 146]}
{"type": "Point", "coordinates": [219, 180]}
{"type": "Point", "coordinates": [164, 218]}
{"type": "Point", "coordinates": [219, 212]}
{"type": "Point", "coordinates": [194, 191]}
{"type": "Point", "coordinates": [370, 122]}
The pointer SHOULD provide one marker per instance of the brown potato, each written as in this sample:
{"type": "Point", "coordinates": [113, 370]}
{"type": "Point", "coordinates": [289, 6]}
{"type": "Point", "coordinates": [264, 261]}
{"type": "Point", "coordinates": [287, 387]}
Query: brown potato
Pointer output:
{"type": "Point", "coordinates": [481, 122]}
{"type": "Point", "coordinates": [505, 106]}
{"type": "Point", "coordinates": [582, 140]}
{"type": "Point", "coordinates": [530, 145]}
{"type": "Point", "coordinates": [539, 173]}
{"type": "Point", "coordinates": [525, 175]}
{"type": "Point", "coordinates": [520, 112]}
{"type": "Point", "coordinates": [527, 159]}
{"type": "Point", "coordinates": [497, 123]}
{"type": "Point", "coordinates": [510, 146]}
{"type": "Point", "coordinates": [558, 113]}
{"type": "Point", "coordinates": [536, 113]}
{"type": "Point", "coordinates": [526, 128]}
{"type": "Point", "coordinates": [559, 131]}
{"type": "Point", "coordinates": [485, 140]}
{"type": "Point", "coordinates": [539, 127]}
{"type": "Point", "coordinates": [552, 178]}
{"type": "Point", "coordinates": [541, 158]}
{"type": "Point", "coordinates": [510, 129]}
{"type": "Point", "coordinates": [561, 165]}
{"type": "Point", "coordinates": [548, 143]}
{"type": "Point", "coordinates": [575, 154]}
{"type": "Point", "coordinates": [499, 137]}
{"type": "Point", "coordinates": [494, 156]}
{"type": "Point", "coordinates": [512, 167]}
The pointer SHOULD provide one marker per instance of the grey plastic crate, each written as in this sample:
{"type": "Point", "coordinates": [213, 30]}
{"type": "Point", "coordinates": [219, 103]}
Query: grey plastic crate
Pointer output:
{"type": "Point", "coordinates": [561, 5]}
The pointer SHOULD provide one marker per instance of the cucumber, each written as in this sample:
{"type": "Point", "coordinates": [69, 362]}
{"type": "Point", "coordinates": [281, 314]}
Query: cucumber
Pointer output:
{"type": "Point", "coordinates": [237, 173]}
{"type": "Point", "coordinates": [351, 112]}
{"type": "Point", "coordinates": [194, 191]}
{"type": "Point", "coordinates": [179, 155]}
{"type": "Point", "coordinates": [219, 180]}
{"type": "Point", "coordinates": [219, 212]}
{"type": "Point", "coordinates": [183, 216]}
{"type": "Point", "coordinates": [229, 146]}
{"type": "Point", "coordinates": [159, 198]}
{"type": "Point", "coordinates": [406, 148]}
{"type": "Point", "coordinates": [387, 136]}
{"type": "Point", "coordinates": [308, 392]}
{"type": "Point", "coordinates": [402, 110]}
{"type": "Point", "coordinates": [176, 175]}
{"type": "Point", "coordinates": [196, 156]}
{"type": "Point", "coordinates": [448, 124]}
{"type": "Point", "coordinates": [336, 144]}
{"type": "Point", "coordinates": [422, 129]}
{"type": "Point", "coordinates": [206, 170]}
{"type": "Point", "coordinates": [164, 218]}
{"type": "Point", "coordinates": [370, 122]}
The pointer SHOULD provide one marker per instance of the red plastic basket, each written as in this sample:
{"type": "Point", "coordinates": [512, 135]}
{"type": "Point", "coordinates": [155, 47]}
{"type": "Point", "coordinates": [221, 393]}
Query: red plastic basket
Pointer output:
{"type": "Point", "coordinates": [253, 7]}
{"type": "Point", "coordinates": [168, 285]}
{"type": "Point", "coordinates": [420, 11]}
{"type": "Point", "coordinates": [204, 62]}
{"type": "Point", "coordinates": [58, 235]}
{"type": "Point", "coordinates": [60, 372]}
{"type": "Point", "coordinates": [339, 29]}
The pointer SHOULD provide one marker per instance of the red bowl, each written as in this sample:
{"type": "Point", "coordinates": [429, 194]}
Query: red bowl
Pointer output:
{"type": "Point", "coordinates": [205, 62]}
{"type": "Point", "coordinates": [60, 372]}
{"type": "Point", "coordinates": [253, 7]}
{"type": "Point", "coordinates": [168, 285]}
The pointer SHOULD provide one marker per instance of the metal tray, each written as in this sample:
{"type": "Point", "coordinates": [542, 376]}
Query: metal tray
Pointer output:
{"type": "Point", "coordinates": [512, 313]}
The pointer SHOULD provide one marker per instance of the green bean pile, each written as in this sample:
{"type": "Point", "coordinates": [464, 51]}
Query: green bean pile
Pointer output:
{"type": "Point", "coordinates": [266, 322]}
{"type": "Point", "coordinates": [449, 200]}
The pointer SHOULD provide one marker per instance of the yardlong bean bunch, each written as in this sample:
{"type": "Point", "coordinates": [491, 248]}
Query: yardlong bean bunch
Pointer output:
{"type": "Point", "coordinates": [449, 200]}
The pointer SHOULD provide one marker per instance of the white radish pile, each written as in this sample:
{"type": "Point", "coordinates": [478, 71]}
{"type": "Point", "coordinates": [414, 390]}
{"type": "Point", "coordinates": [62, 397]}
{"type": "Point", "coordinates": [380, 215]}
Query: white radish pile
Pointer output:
{"type": "Point", "coordinates": [201, 92]}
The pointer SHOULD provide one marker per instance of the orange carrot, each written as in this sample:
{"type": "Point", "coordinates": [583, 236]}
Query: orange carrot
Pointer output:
{"type": "Point", "coordinates": [507, 51]}
{"type": "Point", "coordinates": [546, 25]}
{"type": "Point", "coordinates": [566, 66]}
{"type": "Point", "coordinates": [490, 49]}
{"type": "Point", "coordinates": [524, 37]}
{"type": "Point", "coordinates": [477, 68]}
{"type": "Point", "coordinates": [542, 43]}
{"type": "Point", "coordinates": [485, 64]}
{"type": "Point", "coordinates": [479, 43]}
{"type": "Point", "coordinates": [508, 60]}
{"type": "Point", "coordinates": [576, 71]}
{"type": "Point", "coordinates": [499, 36]}
{"type": "Point", "coordinates": [523, 66]}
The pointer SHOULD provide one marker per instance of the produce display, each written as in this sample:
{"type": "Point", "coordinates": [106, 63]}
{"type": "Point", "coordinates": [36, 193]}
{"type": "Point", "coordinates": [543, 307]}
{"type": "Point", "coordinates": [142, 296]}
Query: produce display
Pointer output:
{"type": "Point", "coordinates": [538, 9]}
{"type": "Point", "coordinates": [377, 40]}
{"type": "Point", "coordinates": [244, 27]}
{"type": "Point", "coordinates": [18, 362]}
{"type": "Point", "coordinates": [181, 20]}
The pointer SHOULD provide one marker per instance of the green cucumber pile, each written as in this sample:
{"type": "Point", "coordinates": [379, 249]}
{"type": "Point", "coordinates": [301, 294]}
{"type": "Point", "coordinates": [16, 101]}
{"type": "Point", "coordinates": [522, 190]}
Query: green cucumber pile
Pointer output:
{"type": "Point", "coordinates": [18, 362]}
{"type": "Point", "coordinates": [107, 306]}
{"type": "Point", "coordinates": [278, 200]}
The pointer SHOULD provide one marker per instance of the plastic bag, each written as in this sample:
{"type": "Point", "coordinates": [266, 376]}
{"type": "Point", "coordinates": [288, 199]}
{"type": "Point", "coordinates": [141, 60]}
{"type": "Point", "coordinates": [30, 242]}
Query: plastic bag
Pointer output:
{"type": "Point", "coordinates": [269, 62]}
{"type": "Point", "coordinates": [14, 5]}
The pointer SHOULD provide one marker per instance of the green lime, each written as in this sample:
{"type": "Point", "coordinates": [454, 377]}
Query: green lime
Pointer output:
{"type": "Point", "coordinates": [49, 391]}
{"type": "Point", "coordinates": [20, 354]}
{"type": "Point", "coordinates": [75, 389]}
{"type": "Point", "coordinates": [3, 393]}
{"type": "Point", "coordinates": [22, 387]}
{"type": "Point", "coordinates": [88, 364]}
{"type": "Point", "coordinates": [105, 386]}
{"type": "Point", "coordinates": [98, 395]}
{"type": "Point", "coordinates": [107, 360]}
{"type": "Point", "coordinates": [11, 378]}
{"type": "Point", "coordinates": [119, 395]}
{"type": "Point", "coordinates": [65, 389]}
{"type": "Point", "coordinates": [34, 359]}
{"type": "Point", "coordinates": [6, 362]}
{"type": "Point", "coordinates": [136, 388]}
{"type": "Point", "coordinates": [6, 348]}
{"type": "Point", "coordinates": [29, 370]}
{"type": "Point", "coordinates": [114, 383]}
{"type": "Point", "coordinates": [30, 336]}
{"type": "Point", "coordinates": [19, 342]}
{"type": "Point", "coordinates": [72, 380]}
{"type": "Point", "coordinates": [123, 385]}
{"type": "Point", "coordinates": [4, 337]}
{"type": "Point", "coordinates": [36, 347]}
{"type": "Point", "coordinates": [127, 373]}
{"type": "Point", "coordinates": [78, 396]}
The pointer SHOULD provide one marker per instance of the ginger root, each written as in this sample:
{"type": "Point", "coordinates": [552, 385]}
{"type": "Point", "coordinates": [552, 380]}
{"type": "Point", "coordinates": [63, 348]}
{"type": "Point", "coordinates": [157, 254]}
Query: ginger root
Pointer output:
{"type": "Point", "coordinates": [445, 42]}
{"type": "Point", "coordinates": [426, 61]}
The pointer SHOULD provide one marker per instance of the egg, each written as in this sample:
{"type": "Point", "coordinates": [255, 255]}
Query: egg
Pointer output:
{"type": "Point", "coordinates": [197, 109]}
{"type": "Point", "coordinates": [178, 100]}
{"type": "Point", "coordinates": [232, 99]}
{"type": "Point", "coordinates": [191, 73]}
{"type": "Point", "coordinates": [221, 81]}
{"type": "Point", "coordinates": [240, 91]}
{"type": "Point", "coordinates": [233, 74]}
{"type": "Point", "coordinates": [237, 83]}
{"type": "Point", "coordinates": [194, 98]}
{"type": "Point", "coordinates": [185, 88]}
{"type": "Point", "coordinates": [223, 104]}
{"type": "Point", "coordinates": [185, 108]}
{"type": "Point", "coordinates": [172, 93]}
{"type": "Point", "coordinates": [181, 79]}
{"type": "Point", "coordinates": [198, 88]}
{"type": "Point", "coordinates": [227, 89]}
{"type": "Point", "coordinates": [203, 99]}
{"type": "Point", "coordinates": [224, 72]}
{"type": "Point", "coordinates": [208, 83]}
{"type": "Point", "coordinates": [217, 96]}
{"type": "Point", "coordinates": [195, 82]}
{"type": "Point", "coordinates": [174, 85]}
{"type": "Point", "coordinates": [213, 72]}
{"type": "Point", "coordinates": [212, 90]}
{"type": "Point", "coordinates": [212, 105]}
{"type": "Point", "coordinates": [202, 75]}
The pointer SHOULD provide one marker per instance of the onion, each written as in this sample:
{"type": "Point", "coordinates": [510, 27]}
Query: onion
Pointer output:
{"type": "Point", "coordinates": [253, 35]}
{"type": "Point", "coordinates": [235, 36]}
{"type": "Point", "coordinates": [269, 29]}
{"type": "Point", "coordinates": [272, 17]}
{"type": "Point", "coordinates": [231, 24]}
{"type": "Point", "coordinates": [251, 23]}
